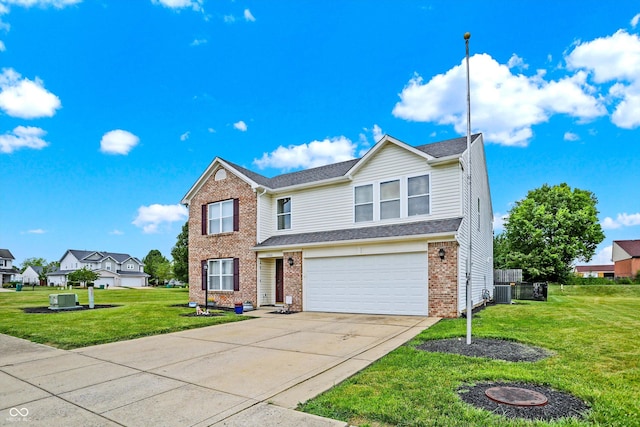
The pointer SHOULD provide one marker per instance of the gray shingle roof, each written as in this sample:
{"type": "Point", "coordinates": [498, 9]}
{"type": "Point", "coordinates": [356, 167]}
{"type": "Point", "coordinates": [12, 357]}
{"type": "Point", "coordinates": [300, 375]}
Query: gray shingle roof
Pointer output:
{"type": "Point", "coordinates": [81, 255]}
{"type": "Point", "coordinates": [6, 254]}
{"type": "Point", "coordinates": [450, 147]}
{"type": "Point", "coordinates": [409, 229]}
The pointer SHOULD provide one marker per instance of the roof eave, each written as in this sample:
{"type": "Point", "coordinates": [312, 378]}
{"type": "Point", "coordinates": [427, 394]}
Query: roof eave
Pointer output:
{"type": "Point", "coordinates": [299, 246]}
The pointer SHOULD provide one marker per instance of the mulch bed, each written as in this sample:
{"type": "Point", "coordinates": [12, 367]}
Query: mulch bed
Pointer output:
{"type": "Point", "coordinates": [45, 310]}
{"type": "Point", "coordinates": [486, 347]}
{"type": "Point", "coordinates": [560, 405]}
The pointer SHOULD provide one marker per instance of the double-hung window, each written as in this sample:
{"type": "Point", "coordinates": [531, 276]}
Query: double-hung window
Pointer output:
{"type": "Point", "coordinates": [418, 195]}
{"type": "Point", "coordinates": [390, 199]}
{"type": "Point", "coordinates": [284, 213]}
{"type": "Point", "coordinates": [364, 203]}
{"type": "Point", "coordinates": [221, 217]}
{"type": "Point", "coordinates": [220, 272]}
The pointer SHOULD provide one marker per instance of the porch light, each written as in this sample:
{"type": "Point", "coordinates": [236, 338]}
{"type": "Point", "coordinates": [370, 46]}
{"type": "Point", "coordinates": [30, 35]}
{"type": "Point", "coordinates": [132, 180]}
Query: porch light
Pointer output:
{"type": "Point", "coordinates": [290, 261]}
{"type": "Point", "coordinates": [441, 253]}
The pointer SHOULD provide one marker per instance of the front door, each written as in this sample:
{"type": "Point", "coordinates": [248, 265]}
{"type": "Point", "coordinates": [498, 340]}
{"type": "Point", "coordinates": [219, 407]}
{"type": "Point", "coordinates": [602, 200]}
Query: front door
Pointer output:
{"type": "Point", "coordinates": [279, 282]}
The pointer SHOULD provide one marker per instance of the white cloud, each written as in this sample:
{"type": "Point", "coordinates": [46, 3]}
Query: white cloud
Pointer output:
{"type": "Point", "coordinates": [516, 62]}
{"type": "Point", "coordinates": [22, 137]}
{"type": "Point", "coordinates": [570, 136]}
{"type": "Point", "coordinates": [2, 46]}
{"type": "Point", "coordinates": [151, 218]}
{"type": "Point", "coordinates": [198, 42]}
{"type": "Point", "coordinates": [377, 133]}
{"type": "Point", "coordinates": [622, 220]}
{"type": "Point", "coordinates": [211, 130]}
{"type": "Point", "coordinates": [241, 126]}
{"type": "Point", "coordinates": [116, 232]}
{"type": "Point", "coordinates": [229, 19]}
{"type": "Point", "coordinates": [498, 221]}
{"type": "Point", "coordinates": [58, 4]}
{"type": "Point", "coordinates": [24, 98]}
{"type": "Point", "coordinates": [184, 136]}
{"type": "Point", "coordinates": [614, 59]}
{"type": "Point", "coordinates": [180, 4]}
{"type": "Point", "coordinates": [36, 231]}
{"type": "Point", "coordinates": [504, 105]}
{"type": "Point", "coordinates": [634, 20]}
{"type": "Point", "coordinates": [602, 257]}
{"type": "Point", "coordinates": [313, 154]}
{"type": "Point", "coordinates": [118, 142]}
{"type": "Point", "coordinates": [248, 16]}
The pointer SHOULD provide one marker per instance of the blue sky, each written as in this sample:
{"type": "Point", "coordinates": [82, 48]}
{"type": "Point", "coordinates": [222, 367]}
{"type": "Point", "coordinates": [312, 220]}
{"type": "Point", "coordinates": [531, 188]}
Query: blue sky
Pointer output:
{"type": "Point", "coordinates": [110, 110]}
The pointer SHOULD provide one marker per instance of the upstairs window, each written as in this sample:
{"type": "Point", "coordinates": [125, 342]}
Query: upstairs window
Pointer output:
{"type": "Point", "coordinates": [220, 217]}
{"type": "Point", "coordinates": [284, 213]}
{"type": "Point", "coordinates": [129, 266]}
{"type": "Point", "coordinates": [364, 203]}
{"type": "Point", "coordinates": [418, 195]}
{"type": "Point", "coordinates": [107, 266]}
{"type": "Point", "coordinates": [390, 199]}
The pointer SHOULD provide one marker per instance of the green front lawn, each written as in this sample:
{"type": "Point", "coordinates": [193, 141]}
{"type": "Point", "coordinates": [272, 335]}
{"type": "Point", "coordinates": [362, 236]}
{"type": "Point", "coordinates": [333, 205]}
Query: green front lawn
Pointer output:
{"type": "Point", "coordinates": [141, 312]}
{"type": "Point", "coordinates": [594, 332]}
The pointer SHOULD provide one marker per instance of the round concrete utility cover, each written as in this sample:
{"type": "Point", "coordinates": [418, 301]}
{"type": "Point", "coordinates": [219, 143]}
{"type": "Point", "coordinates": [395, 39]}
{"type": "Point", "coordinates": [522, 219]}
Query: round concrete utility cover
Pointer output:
{"type": "Point", "coordinates": [516, 396]}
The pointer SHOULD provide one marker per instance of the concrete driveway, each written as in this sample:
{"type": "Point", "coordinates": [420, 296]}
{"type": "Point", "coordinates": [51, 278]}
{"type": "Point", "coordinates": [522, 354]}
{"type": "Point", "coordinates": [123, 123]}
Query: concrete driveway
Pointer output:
{"type": "Point", "coordinates": [237, 374]}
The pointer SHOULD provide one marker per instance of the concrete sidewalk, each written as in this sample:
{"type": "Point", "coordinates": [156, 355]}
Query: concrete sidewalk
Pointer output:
{"type": "Point", "coordinates": [237, 374]}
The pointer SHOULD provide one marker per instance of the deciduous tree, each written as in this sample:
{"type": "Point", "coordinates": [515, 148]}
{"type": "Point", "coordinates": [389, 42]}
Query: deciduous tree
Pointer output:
{"type": "Point", "coordinates": [548, 230]}
{"type": "Point", "coordinates": [151, 262]}
{"type": "Point", "coordinates": [180, 254]}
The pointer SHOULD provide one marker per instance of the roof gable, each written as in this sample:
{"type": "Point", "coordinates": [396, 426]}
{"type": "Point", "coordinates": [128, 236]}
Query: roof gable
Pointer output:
{"type": "Point", "coordinates": [631, 247]}
{"type": "Point", "coordinates": [454, 147]}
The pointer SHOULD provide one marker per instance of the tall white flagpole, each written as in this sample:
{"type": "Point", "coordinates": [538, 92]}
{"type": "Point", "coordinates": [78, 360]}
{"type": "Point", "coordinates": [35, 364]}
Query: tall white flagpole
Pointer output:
{"type": "Point", "coordinates": [467, 36]}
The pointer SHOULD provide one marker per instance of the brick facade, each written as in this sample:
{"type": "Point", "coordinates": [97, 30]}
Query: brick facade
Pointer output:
{"type": "Point", "coordinates": [293, 279]}
{"type": "Point", "coordinates": [235, 244]}
{"type": "Point", "coordinates": [443, 279]}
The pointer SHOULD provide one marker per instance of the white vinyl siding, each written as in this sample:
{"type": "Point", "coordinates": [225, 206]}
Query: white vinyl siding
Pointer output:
{"type": "Point", "coordinates": [332, 207]}
{"type": "Point", "coordinates": [482, 243]}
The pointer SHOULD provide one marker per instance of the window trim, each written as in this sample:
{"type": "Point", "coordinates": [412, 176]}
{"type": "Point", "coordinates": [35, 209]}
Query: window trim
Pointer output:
{"type": "Point", "coordinates": [428, 194]}
{"type": "Point", "coordinates": [206, 209]}
{"type": "Point", "coordinates": [207, 275]}
{"type": "Point", "coordinates": [372, 202]}
{"type": "Point", "coordinates": [284, 214]}
{"type": "Point", "coordinates": [404, 198]}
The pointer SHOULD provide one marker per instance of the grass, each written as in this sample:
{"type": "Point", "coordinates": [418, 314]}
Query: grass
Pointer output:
{"type": "Point", "coordinates": [592, 330]}
{"type": "Point", "coordinates": [140, 312]}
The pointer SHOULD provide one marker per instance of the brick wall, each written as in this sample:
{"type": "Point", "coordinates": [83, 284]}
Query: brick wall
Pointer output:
{"type": "Point", "coordinates": [443, 279]}
{"type": "Point", "coordinates": [293, 279]}
{"type": "Point", "coordinates": [236, 244]}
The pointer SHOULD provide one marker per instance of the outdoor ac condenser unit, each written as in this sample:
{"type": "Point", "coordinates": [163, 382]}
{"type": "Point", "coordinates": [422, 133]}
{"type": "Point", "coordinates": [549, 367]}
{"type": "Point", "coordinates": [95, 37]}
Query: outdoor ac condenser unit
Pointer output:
{"type": "Point", "coordinates": [502, 294]}
{"type": "Point", "coordinates": [62, 301]}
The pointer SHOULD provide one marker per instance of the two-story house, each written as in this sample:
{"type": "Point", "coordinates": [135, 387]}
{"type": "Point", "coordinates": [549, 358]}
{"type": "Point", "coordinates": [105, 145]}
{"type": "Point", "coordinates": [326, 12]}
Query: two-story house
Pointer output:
{"type": "Point", "coordinates": [387, 233]}
{"type": "Point", "coordinates": [7, 270]}
{"type": "Point", "coordinates": [115, 269]}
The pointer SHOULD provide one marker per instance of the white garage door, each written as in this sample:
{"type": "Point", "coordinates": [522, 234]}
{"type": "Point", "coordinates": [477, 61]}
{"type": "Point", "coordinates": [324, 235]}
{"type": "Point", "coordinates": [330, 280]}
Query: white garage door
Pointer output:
{"type": "Point", "coordinates": [374, 284]}
{"type": "Point", "coordinates": [132, 282]}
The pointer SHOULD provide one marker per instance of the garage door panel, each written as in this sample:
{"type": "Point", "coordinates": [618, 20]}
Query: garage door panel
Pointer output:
{"type": "Point", "coordinates": [373, 284]}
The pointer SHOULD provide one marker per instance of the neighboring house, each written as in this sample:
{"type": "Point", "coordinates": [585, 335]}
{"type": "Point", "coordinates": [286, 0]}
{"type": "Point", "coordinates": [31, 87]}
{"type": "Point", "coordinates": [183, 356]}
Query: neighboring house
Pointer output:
{"type": "Point", "coordinates": [605, 271]}
{"type": "Point", "coordinates": [626, 257]}
{"type": "Point", "coordinates": [7, 270]}
{"type": "Point", "coordinates": [31, 275]}
{"type": "Point", "coordinates": [115, 269]}
{"type": "Point", "coordinates": [383, 234]}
